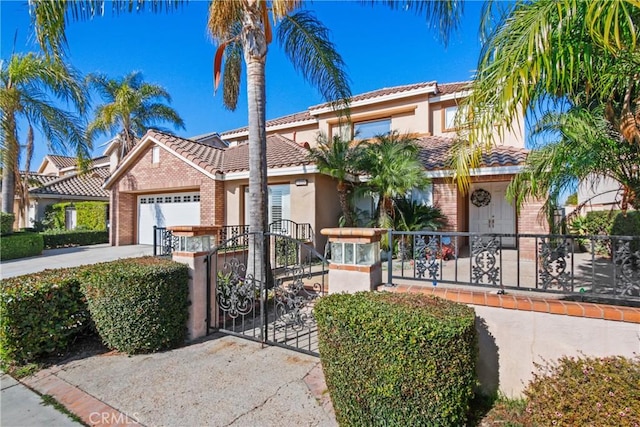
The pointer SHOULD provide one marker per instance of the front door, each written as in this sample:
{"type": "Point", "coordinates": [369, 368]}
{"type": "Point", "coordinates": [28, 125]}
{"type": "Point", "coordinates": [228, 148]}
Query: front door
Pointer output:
{"type": "Point", "coordinates": [490, 212]}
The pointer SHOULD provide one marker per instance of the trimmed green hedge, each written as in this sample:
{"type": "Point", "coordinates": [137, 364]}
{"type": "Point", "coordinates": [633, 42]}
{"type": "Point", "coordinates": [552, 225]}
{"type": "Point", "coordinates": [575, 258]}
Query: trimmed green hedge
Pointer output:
{"type": "Point", "coordinates": [138, 305]}
{"type": "Point", "coordinates": [6, 223]}
{"type": "Point", "coordinates": [64, 238]}
{"type": "Point", "coordinates": [89, 215]}
{"type": "Point", "coordinates": [627, 225]}
{"type": "Point", "coordinates": [397, 359]}
{"type": "Point", "coordinates": [40, 314]}
{"type": "Point", "coordinates": [20, 245]}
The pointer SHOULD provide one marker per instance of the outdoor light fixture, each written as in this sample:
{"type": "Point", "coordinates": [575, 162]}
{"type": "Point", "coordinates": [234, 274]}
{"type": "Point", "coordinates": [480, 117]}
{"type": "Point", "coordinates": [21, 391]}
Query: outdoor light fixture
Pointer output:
{"type": "Point", "coordinates": [301, 182]}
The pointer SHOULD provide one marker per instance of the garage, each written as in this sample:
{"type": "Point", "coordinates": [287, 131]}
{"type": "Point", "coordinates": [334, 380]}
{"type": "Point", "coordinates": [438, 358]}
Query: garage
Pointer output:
{"type": "Point", "coordinates": [164, 210]}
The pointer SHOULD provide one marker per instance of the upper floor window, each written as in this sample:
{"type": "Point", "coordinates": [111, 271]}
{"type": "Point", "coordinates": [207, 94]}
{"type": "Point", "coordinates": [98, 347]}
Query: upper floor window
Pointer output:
{"type": "Point", "coordinates": [155, 154]}
{"type": "Point", "coordinates": [370, 129]}
{"type": "Point", "coordinates": [450, 117]}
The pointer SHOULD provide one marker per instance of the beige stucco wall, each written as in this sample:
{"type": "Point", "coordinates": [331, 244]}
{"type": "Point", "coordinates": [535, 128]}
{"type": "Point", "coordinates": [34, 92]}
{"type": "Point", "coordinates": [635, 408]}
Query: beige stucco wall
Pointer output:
{"type": "Point", "coordinates": [49, 169]}
{"type": "Point", "coordinates": [512, 340]}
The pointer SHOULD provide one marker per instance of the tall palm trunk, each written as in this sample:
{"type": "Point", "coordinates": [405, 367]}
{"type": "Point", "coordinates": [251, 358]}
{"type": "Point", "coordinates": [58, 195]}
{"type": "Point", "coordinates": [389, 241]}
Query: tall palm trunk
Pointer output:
{"type": "Point", "coordinates": [23, 182]}
{"type": "Point", "coordinates": [255, 51]}
{"type": "Point", "coordinates": [345, 205]}
{"type": "Point", "coordinates": [9, 163]}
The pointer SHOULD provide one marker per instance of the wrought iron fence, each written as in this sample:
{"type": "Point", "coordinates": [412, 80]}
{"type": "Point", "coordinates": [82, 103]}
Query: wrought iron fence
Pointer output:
{"type": "Point", "coordinates": [599, 267]}
{"type": "Point", "coordinates": [163, 241]}
{"type": "Point", "coordinates": [298, 231]}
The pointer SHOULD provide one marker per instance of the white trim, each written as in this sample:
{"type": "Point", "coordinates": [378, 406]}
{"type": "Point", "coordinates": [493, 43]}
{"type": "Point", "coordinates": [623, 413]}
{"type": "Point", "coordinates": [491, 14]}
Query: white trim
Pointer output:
{"type": "Point", "coordinates": [449, 96]}
{"type": "Point", "coordinates": [293, 170]}
{"type": "Point", "coordinates": [496, 170]}
{"type": "Point", "coordinates": [393, 96]}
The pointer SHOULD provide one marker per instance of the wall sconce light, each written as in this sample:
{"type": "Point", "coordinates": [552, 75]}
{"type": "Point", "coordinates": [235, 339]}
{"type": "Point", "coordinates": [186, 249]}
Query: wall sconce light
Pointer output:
{"type": "Point", "coordinates": [301, 182]}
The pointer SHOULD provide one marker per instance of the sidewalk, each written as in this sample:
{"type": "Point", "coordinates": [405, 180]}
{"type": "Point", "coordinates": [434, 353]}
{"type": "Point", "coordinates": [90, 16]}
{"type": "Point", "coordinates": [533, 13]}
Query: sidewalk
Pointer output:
{"type": "Point", "coordinates": [21, 407]}
{"type": "Point", "coordinates": [221, 381]}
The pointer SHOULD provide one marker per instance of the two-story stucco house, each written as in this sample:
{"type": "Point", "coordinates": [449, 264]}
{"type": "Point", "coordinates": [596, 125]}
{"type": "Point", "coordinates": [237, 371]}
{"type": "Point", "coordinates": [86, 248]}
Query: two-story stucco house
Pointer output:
{"type": "Point", "coordinates": [168, 180]}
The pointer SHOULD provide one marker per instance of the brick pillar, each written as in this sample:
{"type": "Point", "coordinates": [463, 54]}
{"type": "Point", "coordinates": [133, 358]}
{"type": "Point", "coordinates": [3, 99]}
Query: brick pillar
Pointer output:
{"type": "Point", "coordinates": [530, 221]}
{"type": "Point", "coordinates": [445, 197]}
{"type": "Point", "coordinates": [355, 259]}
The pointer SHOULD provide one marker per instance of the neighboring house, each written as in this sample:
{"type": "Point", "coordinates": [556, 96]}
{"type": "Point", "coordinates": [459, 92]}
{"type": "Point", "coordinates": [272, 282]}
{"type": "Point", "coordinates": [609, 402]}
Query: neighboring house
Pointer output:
{"type": "Point", "coordinates": [599, 194]}
{"type": "Point", "coordinates": [167, 180]}
{"type": "Point", "coordinates": [58, 180]}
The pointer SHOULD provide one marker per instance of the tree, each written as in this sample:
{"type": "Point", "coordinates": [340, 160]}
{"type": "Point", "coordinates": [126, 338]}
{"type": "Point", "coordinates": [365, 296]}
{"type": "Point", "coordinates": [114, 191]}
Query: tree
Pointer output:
{"type": "Point", "coordinates": [588, 149]}
{"type": "Point", "coordinates": [546, 53]}
{"type": "Point", "coordinates": [29, 85]}
{"type": "Point", "coordinates": [132, 107]}
{"type": "Point", "coordinates": [338, 158]}
{"type": "Point", "coordinates": [393, 168]}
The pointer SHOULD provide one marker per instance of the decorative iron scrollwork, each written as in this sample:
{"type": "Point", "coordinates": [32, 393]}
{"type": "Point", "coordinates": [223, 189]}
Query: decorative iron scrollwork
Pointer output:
{"type": "Point", "coordinates": [627, 269]}
{"type": "Point", "coordinates": [235, 292]}
{"type": "Point", "coordinates": [484, 265]}
{"type": "Point", "coordinates": [552, 267]}
{"type": "Point", "coordinates": [426, 256]}
{"type": "Point", "coordinates": [294, 300]}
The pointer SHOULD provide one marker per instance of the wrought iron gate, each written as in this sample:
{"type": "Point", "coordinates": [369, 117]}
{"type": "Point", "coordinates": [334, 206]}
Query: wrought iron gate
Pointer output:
{"type": "Point", "coordinates": [275, 310]}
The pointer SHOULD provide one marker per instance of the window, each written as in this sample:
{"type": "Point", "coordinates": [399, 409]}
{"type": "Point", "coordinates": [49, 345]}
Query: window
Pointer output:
{"type": "Point", "coordinates": [155, 154]}
{"type": "Point", "coordinates": [177, 199]}
{"type": "Point", "coordinates": [152, 200]}
{"type": "Point", "coordinates": [450, 117]}
{"type": "Point", "coordinates": [196, 198]}
{"type": "Point", "coordinates": [423, 197]}
{"type": "Point", "coordinates": [186, 199]}
{"type": "Point", "coordinates": [343, 130]}
{"type": "Point", "coordinates": [143, 200]}
{"type": "Point", "coordinates": [366, 130]}
{"type": "Point", "coordinates": [167, 199]}
{"type": "Point", "coordinates": [279, 203]}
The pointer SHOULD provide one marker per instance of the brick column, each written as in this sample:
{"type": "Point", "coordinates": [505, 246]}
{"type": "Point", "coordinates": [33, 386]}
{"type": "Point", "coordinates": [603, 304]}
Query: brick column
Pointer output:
{"type": "Point", "coordinates": [358, 267]}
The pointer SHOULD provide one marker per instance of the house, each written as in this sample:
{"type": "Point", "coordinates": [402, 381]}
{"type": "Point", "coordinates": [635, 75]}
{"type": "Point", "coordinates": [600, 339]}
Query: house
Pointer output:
{"type": "Point", "coordinates": [58, 180]}
{"type": "Point", "coordinates": [168, 180]}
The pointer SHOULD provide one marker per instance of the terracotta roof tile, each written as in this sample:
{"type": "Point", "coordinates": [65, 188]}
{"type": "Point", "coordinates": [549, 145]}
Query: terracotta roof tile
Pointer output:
{"type": "Point", "coordinates": [291, 118]}
{"type": "Point", "coordinates": [79, 185]}
{"type": "Point", "coordinates": [37, 180]}
{"type": "Point", "coordinates": [281, 152]}
{"type": "Point", "coordinates": [434, 154]}
{"type": "Point", "coordinates": [62, 162]}
{"type": "Point", "coordinates": [206, 156]}
{"type": "Point", "coordinates": [447, 88]}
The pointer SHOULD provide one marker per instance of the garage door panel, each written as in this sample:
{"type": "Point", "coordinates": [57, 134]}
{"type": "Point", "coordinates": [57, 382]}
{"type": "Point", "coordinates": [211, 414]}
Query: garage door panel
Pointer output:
{"type": "Point", "coordinates": [166, 210]}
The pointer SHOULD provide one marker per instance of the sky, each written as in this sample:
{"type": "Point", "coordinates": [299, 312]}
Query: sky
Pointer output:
{"type": "Point", "coordinates": [381, 48]}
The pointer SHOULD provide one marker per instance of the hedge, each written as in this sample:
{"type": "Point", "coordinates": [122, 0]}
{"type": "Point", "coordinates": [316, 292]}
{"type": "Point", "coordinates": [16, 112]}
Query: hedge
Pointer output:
{"type": "Point", "coordinates": [627, 225]}
{"type": "Point", "coordinates": [397, 359]}
{"type": "Point", "coordinates": [6, 223]}
{"type": "Point", "coordinates": [89, 215]}
{"type": "Point", "coordinates": [40, 314]}
{"type": "Point", "coordinates": [20, 245]}
{"type": "Point", "coordinates": [64, 238]}
{"type": "Point", "coordinates": [586, 391]}
{"type": "Point", "coordinates": [138, 305]}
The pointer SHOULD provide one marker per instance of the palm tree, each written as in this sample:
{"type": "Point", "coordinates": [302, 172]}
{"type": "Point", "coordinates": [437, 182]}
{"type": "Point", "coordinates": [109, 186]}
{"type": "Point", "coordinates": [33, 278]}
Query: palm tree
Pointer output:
{"type": "Point", "coordinates": [588, 149]}
{"type": "Point", "coordinates": [392, 167]}
{"type": "Point", "coordinates": [132, 107]}
{"type": "Point", "coordinates": [338, 158]}
{"type": "Point", "coordinates": [29, 86]}
{"type": "Point", "coordinates": [543, 53]}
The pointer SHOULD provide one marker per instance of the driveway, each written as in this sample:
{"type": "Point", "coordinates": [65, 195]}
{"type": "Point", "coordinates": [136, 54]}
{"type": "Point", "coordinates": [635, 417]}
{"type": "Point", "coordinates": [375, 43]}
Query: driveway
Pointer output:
{"type": "Point", "coordinates": [220, 381]}
{"type": "Point", "coordinates": [71, 257]}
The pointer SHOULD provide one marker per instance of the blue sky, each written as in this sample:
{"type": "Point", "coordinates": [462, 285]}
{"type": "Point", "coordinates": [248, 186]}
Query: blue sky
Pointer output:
{"type": "Point", "coordinates": [381, 47]}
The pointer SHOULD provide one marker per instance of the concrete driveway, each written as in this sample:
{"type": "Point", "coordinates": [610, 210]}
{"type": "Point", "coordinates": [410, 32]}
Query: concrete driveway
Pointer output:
{"type": "Point", "coordinates": [71, 257]}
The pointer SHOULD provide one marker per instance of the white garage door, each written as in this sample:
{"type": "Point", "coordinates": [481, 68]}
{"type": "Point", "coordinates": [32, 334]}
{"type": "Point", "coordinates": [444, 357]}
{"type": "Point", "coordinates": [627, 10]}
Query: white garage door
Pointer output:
{"type": "Point", "coordinates": [164, 210]}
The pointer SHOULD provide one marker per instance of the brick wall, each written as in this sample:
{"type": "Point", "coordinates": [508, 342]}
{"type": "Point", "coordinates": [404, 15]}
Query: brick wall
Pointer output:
{"type": "Point", "coordinates": [531, 222]}
{"type": "Point", "coordinates": [445, 197]}
{"type": "Point", "coordinates": [171, 174]}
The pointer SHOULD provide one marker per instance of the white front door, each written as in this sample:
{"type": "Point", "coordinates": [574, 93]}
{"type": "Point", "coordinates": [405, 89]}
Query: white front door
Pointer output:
{"type": "Point", "coordinates": [163, 210]}
{"type": "Point", "coordinates": [490, 212]}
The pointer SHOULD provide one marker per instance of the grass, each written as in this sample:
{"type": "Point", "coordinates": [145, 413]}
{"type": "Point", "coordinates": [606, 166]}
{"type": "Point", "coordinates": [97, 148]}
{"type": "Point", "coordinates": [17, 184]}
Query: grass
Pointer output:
{"type": "Point", "coordinates": [49, 400]}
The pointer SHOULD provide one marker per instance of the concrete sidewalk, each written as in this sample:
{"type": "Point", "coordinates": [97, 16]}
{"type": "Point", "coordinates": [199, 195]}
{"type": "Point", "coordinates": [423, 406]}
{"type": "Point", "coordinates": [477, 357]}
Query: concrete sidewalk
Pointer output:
{"type": "Point", "coordinates": [71, 257]}
{"type": "Point", "coordinates": [21, 407]}
{"type": "Point", "coordinates": [221, 381]}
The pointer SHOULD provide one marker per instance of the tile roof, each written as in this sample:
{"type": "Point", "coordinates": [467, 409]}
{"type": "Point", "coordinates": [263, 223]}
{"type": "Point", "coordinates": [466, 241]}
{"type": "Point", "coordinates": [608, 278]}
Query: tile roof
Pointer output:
{"type": "Point", "coordinates": [281, 152]}
{"type": "Point", "coordinates": [63, 162]}
{"type": "Point", "coordinates": [291, 118]}
{"type": "Point", "coordinates": [37, 180]}
{"type": "Point", "coordinates": [434, 154]}
{"type": "Point", "coordinates": [76, 185]}
{"type": "Point", "coordinates": [442, 89]}
{"type": "Point", "coordinates": [208, 157]}
{"type": "Point", "coordinates": [447, 88]}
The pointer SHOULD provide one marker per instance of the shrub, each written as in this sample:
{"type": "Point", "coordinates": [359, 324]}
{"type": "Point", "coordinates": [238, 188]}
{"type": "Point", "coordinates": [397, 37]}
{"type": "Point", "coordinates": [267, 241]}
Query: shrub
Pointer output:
{"type": "Point", "coordinates": [627, 225]}
{"type": "Point", "coordinates": [20, 245]}
{"type": "Point", "coordinates": [89, 215]}
{"type": "Point", "coordinates": [64, 238]}
{"type": "Point", "coordinates": [40, 313]}
{"type": "Point", "coordinates": [586, 392]}
{"type": "Point", "coordinates": [397, 359]}
{"type": "Point", "coordinates": [140, 304]}
{"type": "Point", "coordinates": [6, 223]}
